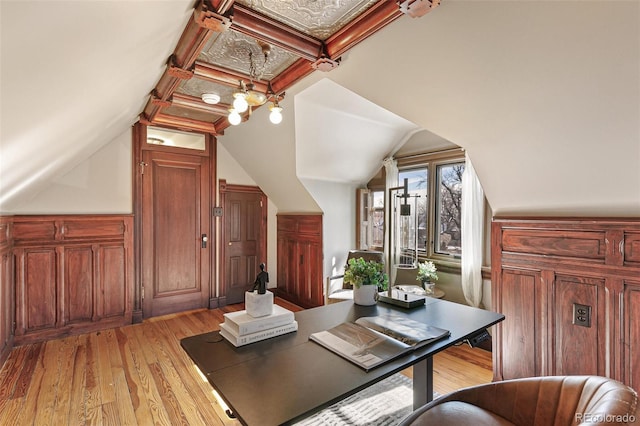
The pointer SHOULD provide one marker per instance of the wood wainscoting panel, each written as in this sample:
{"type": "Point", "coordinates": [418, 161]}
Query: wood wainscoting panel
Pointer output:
{"type": "Point", "coordinates": [300, 259]}
{"type": "Point", "coordinates": [586, 300]}
{"type": "Point", "coordinates": [73, 274]}
{"type": "Point", "coordinates": [7, 288]}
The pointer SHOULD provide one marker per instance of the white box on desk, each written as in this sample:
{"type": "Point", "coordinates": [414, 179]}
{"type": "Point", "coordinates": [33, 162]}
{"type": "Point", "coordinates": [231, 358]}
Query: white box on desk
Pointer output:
{"type": "Point", "coordinates": [258, 305]}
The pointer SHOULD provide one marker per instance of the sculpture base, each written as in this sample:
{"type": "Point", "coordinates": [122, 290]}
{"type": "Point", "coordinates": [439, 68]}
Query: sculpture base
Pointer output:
{"type": "Point", "coordinates": [258, 305]}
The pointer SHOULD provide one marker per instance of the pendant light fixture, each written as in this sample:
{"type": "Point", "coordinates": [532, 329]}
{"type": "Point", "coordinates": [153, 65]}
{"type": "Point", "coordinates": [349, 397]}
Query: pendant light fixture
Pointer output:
{"type": "Point", "coordinates": [247, 98]}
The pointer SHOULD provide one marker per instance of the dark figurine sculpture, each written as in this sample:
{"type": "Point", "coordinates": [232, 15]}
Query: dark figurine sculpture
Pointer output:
{"type": "Point", "coordinates": [261, 281]}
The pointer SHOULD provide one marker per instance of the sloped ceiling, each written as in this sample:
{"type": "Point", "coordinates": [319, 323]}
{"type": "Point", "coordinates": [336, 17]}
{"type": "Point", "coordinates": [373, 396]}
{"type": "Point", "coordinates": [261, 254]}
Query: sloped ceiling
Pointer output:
{"type": "Point", "coordinates": [343, 136]}
{"type": "Point", "coordinates": [74, 76]}
{"type": "Point", "coordinates": [545, 96]}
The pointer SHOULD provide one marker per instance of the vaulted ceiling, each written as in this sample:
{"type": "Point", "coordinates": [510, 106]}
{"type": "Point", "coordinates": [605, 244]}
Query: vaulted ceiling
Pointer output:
{"type": "Point", "coordinates": [271, 44]}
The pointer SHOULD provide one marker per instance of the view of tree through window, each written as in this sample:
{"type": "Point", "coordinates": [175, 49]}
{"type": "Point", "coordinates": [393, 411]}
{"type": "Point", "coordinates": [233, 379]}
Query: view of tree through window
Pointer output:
{"type": "Point", "coordinates": [448, 210]}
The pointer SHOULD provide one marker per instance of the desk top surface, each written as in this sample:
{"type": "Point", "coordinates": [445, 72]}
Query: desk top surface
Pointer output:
{"type": "Point", "coordinates": [289, 377]}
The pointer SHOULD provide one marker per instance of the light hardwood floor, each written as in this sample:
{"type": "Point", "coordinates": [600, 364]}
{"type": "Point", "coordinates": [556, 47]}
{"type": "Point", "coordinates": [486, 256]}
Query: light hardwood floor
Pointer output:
{"type": "Point", "coordinates": [139, 375]}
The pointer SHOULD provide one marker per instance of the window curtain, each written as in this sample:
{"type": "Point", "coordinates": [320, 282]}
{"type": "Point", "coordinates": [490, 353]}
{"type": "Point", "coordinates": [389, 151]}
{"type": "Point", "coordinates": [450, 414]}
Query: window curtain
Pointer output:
{"type": "Point", "coordinates": [472, 234]}
{"type": "Point", "coordinates": [391, 173]}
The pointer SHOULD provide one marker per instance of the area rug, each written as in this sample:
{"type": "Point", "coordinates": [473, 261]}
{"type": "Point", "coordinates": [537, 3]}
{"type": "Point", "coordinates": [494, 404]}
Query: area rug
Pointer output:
{"type": "Point", "coordinates": [383, 404]}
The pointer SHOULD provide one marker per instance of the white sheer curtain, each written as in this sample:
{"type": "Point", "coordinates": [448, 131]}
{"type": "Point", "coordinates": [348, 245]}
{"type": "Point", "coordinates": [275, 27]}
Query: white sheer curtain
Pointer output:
{"type": "Point", "coordinates": [391, 172]}
{"type": "Point", "coordinates": [472, 234]}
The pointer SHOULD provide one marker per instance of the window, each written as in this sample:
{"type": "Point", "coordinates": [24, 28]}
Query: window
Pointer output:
{"type": "Point", "coordinates": [435, 185]}
{"type": "Point", "coordinates": [377, 219]}
{"type": "Point", "coordinates": [370, 216]}
{"type": "Point", "coordinates": [448, 212]}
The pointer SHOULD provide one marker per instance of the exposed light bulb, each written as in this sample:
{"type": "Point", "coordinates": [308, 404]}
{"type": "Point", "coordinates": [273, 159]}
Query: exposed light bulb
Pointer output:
{"type": "Point", "coordinates": [234, 117]}
{"type": "Point", "coordinates": [276, 114]}
{"type": "Point", "coordinates": [240, 103]}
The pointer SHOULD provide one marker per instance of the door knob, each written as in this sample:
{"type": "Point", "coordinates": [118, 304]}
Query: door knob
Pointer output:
{"type": "Point", "coordinates": [204, 240]}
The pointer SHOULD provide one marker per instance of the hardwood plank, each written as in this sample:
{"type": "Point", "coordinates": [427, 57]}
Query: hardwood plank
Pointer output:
{"type": "Point", "coordinates": [78, 382]}
{"type": "Point", "coordinates": [139, 375]}
{"type": "Point", "coordinates": [150, 400]}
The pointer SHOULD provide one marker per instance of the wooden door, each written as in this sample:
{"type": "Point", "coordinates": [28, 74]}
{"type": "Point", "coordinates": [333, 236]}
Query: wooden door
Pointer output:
{"type": "Point", "coordinates": [175, 230]}
{"type": "Point", "coordinates": [244, 242]}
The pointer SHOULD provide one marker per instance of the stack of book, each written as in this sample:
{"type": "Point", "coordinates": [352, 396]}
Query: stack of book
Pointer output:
{"type": "Point", "coordinates": [240, 328]}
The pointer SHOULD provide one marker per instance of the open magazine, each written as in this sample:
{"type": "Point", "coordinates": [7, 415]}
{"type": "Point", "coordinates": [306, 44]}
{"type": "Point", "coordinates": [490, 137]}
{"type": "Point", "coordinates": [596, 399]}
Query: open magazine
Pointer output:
{"type": "Point", "coordinates": [372, 341]}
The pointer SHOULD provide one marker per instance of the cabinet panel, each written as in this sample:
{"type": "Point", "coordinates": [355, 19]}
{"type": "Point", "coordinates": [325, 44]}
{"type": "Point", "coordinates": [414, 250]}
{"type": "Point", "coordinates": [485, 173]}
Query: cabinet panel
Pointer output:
{"type": "Point", "coordinates": [575, 350]}
{"type": "Point", "coordinates": [78, 284]}
{"type": "Point", "coordinates": [6, 303]}
{"type": "Point", "coordinates": [300, 259]}
{"type": "Point", "coordinates": [113, 280]}
{"type": "Point", "coordinates": [93, 228]}
{"type": "Point", "coordinates": [632, 334]}
{"type": "Point", "coordinates": [38, 289]}
{"type": "Point", "coordinates": [587, 245]}
{"type": "Point", "coordinates": [520, 348]}
{"type": "Point", "coordinates": [632, 248]}
{"type": "Point", "coordinates": [309, 293]}
{"type": "Point", "coordinates": [25, 230]}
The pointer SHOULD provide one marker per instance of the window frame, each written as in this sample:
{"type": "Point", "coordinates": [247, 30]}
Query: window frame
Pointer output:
{"type": "Point", "coordinates": [431, 161]}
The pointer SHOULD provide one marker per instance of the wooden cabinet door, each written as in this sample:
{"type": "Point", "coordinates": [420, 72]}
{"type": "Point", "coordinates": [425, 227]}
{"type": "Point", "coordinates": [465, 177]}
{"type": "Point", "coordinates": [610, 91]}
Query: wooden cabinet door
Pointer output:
{"type": "Point", "coordinates": [36, 289]}
{"type": "Point", "coordinates": [631, 321]}
{"type": "Point", "coordinates": [6, 302]}
{"type": "Point", "coordinates": [78, 285]}
{"type": "Point", "coordinates": [574, 349]}
{"type": "Point", "coordinates": [287, 268]}
{"type": "Point", "coordinates": [309, 274]}
{"type": "Point", "coordinates": [111, 285]}
{"type": "Point", "coordinates": [519, 344]}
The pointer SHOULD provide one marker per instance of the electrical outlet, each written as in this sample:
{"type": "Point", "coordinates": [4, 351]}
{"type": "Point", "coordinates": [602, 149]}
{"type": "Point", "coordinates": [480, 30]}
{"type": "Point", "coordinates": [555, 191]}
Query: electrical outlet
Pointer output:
{"type": "Point", "coordinates": [582, 315]}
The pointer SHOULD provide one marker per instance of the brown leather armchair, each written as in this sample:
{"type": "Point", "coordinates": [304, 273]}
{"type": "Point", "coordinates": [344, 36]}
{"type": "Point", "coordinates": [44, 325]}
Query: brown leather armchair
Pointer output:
{"type": "Point", "coordinates": [537, 401]}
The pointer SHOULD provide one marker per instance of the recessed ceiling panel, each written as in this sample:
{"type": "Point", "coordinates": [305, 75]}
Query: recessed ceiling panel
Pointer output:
{"type": "Point", "coordinates": [191, 114]}
{"type": "Point", "coordinates": [237, 51]}
{"type": "Point", "coordinates": [196, 87]}
{"type": "Point", "coordinates": [317, 18]}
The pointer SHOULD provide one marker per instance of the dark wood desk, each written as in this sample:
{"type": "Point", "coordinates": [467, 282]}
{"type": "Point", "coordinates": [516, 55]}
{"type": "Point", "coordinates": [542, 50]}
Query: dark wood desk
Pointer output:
{"type": "Point", "coordinates": [287, 378]}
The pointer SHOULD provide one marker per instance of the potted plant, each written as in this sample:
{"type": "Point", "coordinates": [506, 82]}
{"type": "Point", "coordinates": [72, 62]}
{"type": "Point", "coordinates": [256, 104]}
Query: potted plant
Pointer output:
{"type": "Point", "coordinates": [367, 278]}
{"type": "Point", "coordinates": [427, 273]}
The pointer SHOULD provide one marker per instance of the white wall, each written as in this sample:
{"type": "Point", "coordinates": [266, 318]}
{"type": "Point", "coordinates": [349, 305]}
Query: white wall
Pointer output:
{"type": "Point", "coordinates": [545, 96]}
{"type": "Point", "coordinates": [338, 203]}
{"type": "Point", "coordinates": [267, 153]}
{"type": "Point", "coordinates": [101, 184]}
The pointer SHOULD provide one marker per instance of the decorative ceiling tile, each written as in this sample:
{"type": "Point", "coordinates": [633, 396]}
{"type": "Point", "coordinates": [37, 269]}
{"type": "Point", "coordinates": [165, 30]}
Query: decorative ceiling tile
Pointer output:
{"type": "Point", "coordinates": [232, 50]}
{"type": "Point", "coordinates": [317, 18]}
{"type": "Point", "coordinates": [196, 87]}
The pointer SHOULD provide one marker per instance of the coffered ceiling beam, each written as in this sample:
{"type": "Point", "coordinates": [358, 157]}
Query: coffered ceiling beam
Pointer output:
{"type": "Point", "coordinates": [253, 24]}
{"type": "Point", "coordinates": [374, 19]}
{"type": "Point", "coordinates": [296, 72]}
{"type": "Point", "coordinates": [204, 23]}
{"type": "Point", "coordinates": [224, 76]}
{"type": "Point", "coordinates": [191, 102]}
{"type": "Point", "coordinates": [184, 123]}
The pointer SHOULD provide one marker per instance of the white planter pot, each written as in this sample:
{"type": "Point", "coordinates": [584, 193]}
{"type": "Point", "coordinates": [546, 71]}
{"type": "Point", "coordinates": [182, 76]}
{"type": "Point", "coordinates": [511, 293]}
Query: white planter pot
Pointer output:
{"type": "Point", "coordinates": [366, 295]}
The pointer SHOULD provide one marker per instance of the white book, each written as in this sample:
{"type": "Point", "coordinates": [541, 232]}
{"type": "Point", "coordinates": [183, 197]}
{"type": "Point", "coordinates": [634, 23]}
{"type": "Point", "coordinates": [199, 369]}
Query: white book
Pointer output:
{"type": "Point", "coordinates": [236, 340]}
{"type": "Point", "coordinates": [242, 323]}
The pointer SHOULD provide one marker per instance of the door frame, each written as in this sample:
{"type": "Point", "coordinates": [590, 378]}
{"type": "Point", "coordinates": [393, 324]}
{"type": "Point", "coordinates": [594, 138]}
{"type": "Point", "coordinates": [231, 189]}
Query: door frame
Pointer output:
{"type": "Point", "coordinates": [224, 188]}
{"type": "Point", "coordinates": [139, 138]}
